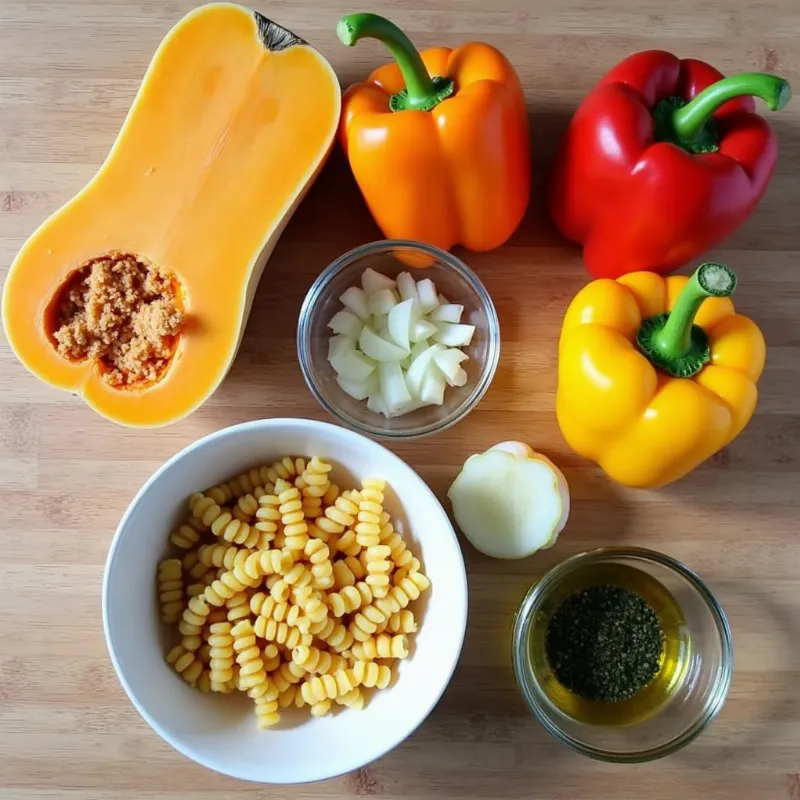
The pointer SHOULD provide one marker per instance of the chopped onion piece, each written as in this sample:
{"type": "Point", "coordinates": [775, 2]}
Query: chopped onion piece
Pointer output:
{"type": "Point", "coordinates": [359, 390]}
{"type": "Point", "coordinates": [460, 378]}
{"type": "Point", "coordinates": [375, 403]}
{"type": "Point", "coordinates": [356, 300]}
{"type": "Point", "coordinates": [334, 344]}
{"type": "Point", "coordinates": [451, 312]}
{"type": "Point", "coordinates": [432, 389]}
{"type": "Point", "coordinates": [407, 286]}
{"type": "Point", "coordinates": [421, 367]}
{"type": "Point", "coordinates": [419, 347]}
{"type": "Point", "coordinates": [349, 363]}
{"type": "Point", "coordinates": [347, 324]}
{"type": "Point", "coordinates": [400, 320]}
{"type": "Point", "coordinates": [427, 295]}
{"type": "Point", "coordinates": [453, 335]}
{"type": "Point", "coordinates": [393, 387]}
{"type": "Point", "coordinates": [382, 302]}
{"type": "Point", "coordinates": [374, 281]}
{"type": "Point", "coordinates": [378, 348]}
{"type": "Point", "coordinates": [448, 362]}
{"type": "Point", "coordinates": [408, 408]}
{"type": "Point", "coordinates": [423, 330]}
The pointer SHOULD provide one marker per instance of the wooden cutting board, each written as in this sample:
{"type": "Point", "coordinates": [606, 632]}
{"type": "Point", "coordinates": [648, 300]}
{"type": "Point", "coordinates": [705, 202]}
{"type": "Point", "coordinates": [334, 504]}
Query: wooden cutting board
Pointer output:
{"type": "Point", "coordinates": [68, 71]}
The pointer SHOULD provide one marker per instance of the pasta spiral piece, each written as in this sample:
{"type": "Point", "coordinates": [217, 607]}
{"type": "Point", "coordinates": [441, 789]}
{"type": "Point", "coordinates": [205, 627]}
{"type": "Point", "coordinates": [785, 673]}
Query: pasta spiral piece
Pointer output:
{"type": "Point", "coordinates": [267, 689]}
{"type": "Point", "coordinates": [219, 494]}
{"type": "Point", "coordinates": [291, 697]}
{"type": "Point", "coordinates": [378, 566]}
{"type": "Point", "coordinates": [263, 478]}
{"type": "Point", "coordinates": [235, 531]}
{"type": "Point", "coordinates": [221, 652]}
{"type": "Point", "coordinates": [238, 607]}
{"type": "Point", "coordinates": [342, 514]}
{"type": "Point", "coordinates": [287, 675]}
{"type": "Point", "coordinates": [185, 663]}
{"type": "Point", "coordinates": [316, 478]}
{"type": "Point", "coordinates": [353, 699]}
{"type": "Point", "coordinates": [204, 509]}
{"type": "Point", "coordinates": [267, 562]}
{"type": "Point", "coordinates": [266, 606]}
{"type": "Point", "coordinates": [295, 527]}
{"type": "Point", "coordinates": [245, 508]}
{"type": "Point", "coordinates": [402, 622]}
{"type": "Point", "coordinates": [365, 622]}
{"type": "Point", "coordinates": [312, 659]}
{"type": "Point", "coordinates": [348, 543]}
{"type": "Point", "coordinates": [329, 687]}
{"type": "Point", "coordinates": [320, 709]}
{"type": "Point", "coordinates": [400, 553]}
{"type": "Point", "coordinates": [411, 566]}
{"type": "Point", "coordinates": [194, 617]}
{"type": "Point", "coordinates": [193, 567]}
{"type": "Point", "coordinates": [248, 655]}
{"type": "Point", "coordinates": [281, 633]}
{"type": "Point", "coordinates": [398, 597]}
{"type": "Point", "coordinates": [224, 588]}
{"type": "Point", "coordinates": [370, 674]}
{"type": "Point", "coordinates": [381, 646]}
{"type": "Point", "coordinates": [337, 636]}
{"type": "Point", "coordinates": [413, 585]}
{"type": "Point", "coordinates": [370, 508]}
{"type": "Point", "coordinates": [267, 712]}
{"type": "Point", "coordinates": [218, 555]}
{"type": "Point", "coordinates": [342, 575]}
{"type": "Point", "coordinates": [170, 589]}
{"type": "Point", "coordinates": [319, 556]}
{"type": "Point", "coordinates": [298, 575]}
{"type": "Point", "coordinates": [345, 601]}
{"type": "Point", "coordinates": [204, 682]}
{"type": "Point", "coordinates": [313, 608]}
{"type": "Point", "coordinates": [185, 537]}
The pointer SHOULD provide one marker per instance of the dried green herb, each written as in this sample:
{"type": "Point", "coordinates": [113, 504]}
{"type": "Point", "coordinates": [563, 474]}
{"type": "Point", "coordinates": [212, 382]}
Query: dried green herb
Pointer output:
{"type": "Point", "coordinates": [604, 643]}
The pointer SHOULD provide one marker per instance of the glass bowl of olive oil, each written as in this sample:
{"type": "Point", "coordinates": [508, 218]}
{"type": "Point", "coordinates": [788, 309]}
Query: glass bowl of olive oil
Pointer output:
{"type": "Point", "coordinates": [622, 653]}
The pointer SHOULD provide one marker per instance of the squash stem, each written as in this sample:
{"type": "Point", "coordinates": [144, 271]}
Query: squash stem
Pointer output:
{"type": "Point", "coordinates": [422, 92]}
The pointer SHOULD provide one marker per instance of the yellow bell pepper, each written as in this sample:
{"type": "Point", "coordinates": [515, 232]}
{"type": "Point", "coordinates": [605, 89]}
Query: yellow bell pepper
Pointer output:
{"type": "Point", "coordinates": [656, 374]}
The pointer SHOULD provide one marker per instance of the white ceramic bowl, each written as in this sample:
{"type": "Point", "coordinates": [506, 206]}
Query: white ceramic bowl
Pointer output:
{"type": "Point", "coordinates": [220, 731]}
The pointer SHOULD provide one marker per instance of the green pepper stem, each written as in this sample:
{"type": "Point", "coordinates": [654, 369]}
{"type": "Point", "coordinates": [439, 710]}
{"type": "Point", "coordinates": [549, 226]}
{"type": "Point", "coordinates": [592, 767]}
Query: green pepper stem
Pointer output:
{"type": "Point", "coordinates": [674, 340]}
{"type": "Point", "coordinates": [688, 122]}
{"type": "Point", "coordinates": [422, 92]}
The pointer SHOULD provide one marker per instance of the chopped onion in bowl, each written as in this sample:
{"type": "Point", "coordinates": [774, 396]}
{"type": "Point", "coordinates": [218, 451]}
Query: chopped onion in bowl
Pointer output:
{"type": "Point", "coordinates": [396, 344]}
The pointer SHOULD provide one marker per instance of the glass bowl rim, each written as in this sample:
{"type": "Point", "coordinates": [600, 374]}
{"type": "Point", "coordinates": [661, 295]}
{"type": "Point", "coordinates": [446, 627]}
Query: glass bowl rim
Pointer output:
{"type": "Point", "coordinates": [450, 261]}
{"type": "Point", "coordinates": [540, 589]}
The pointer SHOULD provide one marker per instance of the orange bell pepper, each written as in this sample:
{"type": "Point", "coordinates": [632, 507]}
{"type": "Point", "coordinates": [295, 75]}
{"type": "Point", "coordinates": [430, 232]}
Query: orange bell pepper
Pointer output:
{"type": "Point", "coordinates": [444, 159]}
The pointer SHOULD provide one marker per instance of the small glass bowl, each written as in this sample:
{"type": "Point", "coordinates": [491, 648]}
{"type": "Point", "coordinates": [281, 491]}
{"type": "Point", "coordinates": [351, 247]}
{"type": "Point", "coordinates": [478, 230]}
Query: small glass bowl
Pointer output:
{"type": "Point", "coordinates": [454, 280]}
{"type": "Point", "coordinates": [698, 691]}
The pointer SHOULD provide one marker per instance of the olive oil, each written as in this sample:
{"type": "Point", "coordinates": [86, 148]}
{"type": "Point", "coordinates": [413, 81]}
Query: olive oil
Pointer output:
{"type": "Point", "coordinates": [672, 664]}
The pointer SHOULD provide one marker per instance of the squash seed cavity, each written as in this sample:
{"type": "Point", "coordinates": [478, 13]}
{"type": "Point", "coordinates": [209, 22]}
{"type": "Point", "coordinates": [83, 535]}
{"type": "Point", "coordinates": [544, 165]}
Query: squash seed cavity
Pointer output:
{"type": "Point", "coordinates": [123, 312]}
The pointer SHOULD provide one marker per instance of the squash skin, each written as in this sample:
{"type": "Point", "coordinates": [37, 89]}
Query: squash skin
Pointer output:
{"type": "Point", "coordinates": [218, 149]}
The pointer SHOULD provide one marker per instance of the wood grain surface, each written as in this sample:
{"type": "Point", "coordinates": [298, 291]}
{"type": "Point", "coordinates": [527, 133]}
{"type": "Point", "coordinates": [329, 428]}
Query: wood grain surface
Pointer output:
{"type": "Point", "coordinates": [68, 72]}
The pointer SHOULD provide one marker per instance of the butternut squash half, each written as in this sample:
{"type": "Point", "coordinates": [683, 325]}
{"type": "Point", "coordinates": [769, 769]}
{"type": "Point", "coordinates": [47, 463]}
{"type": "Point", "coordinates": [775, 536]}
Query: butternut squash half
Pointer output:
{"type": "Point", "coordinates": [135, 294]}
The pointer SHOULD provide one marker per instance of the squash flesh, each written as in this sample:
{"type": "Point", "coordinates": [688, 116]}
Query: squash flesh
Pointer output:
{"type": "Point", "coordinates": [222, 141]}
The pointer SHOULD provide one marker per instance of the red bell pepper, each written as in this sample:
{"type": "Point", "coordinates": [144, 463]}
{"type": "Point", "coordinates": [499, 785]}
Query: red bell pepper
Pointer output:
{"type": "Point", "coordinates": [661, 161]}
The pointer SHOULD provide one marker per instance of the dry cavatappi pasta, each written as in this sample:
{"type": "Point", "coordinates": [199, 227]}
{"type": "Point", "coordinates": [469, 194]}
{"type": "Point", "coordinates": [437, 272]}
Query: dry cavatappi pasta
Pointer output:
{"type": "Point", "coordinates": [290, 590]}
